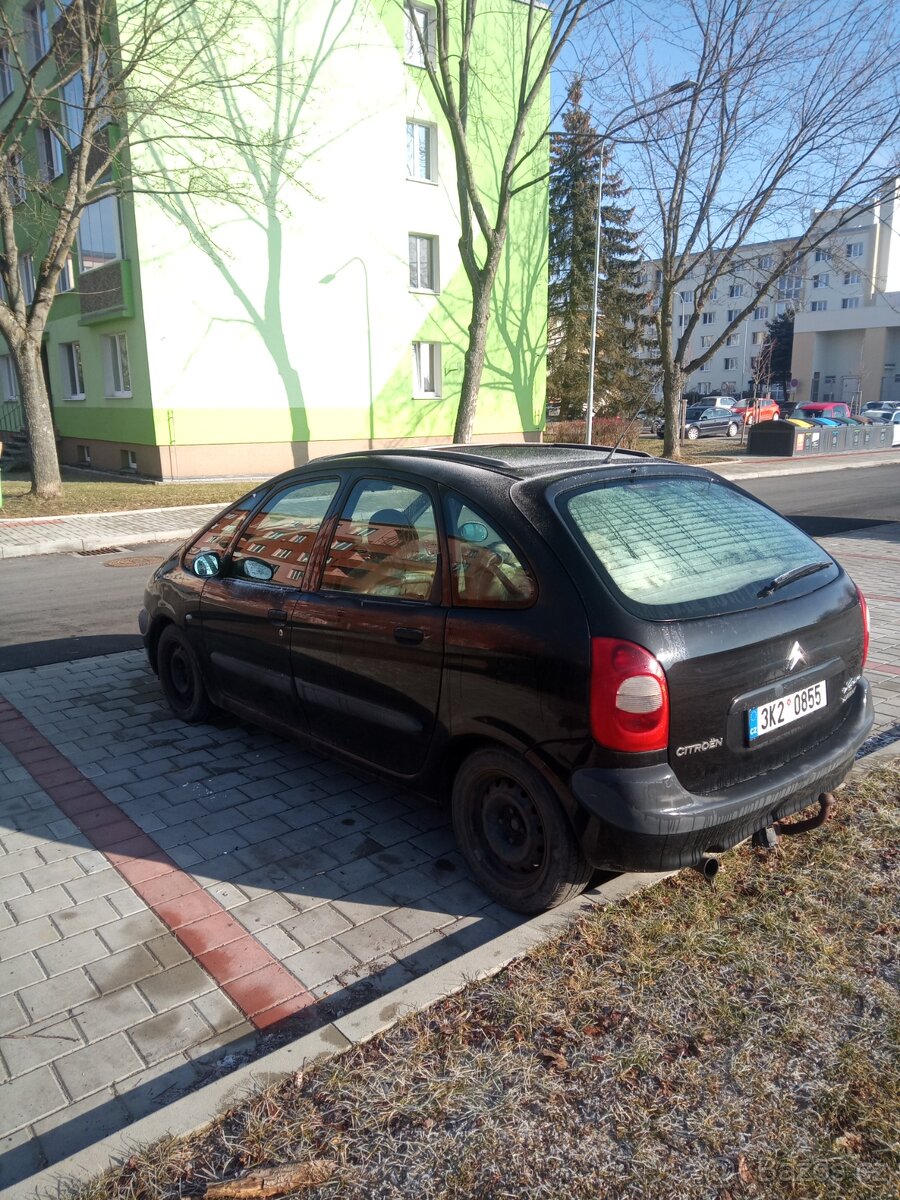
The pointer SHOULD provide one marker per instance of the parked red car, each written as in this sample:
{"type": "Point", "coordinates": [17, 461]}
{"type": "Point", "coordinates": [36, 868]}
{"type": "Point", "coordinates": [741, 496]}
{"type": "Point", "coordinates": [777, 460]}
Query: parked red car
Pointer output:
{"type": "Point", "coordinates": [822, 409]}
{"type": "Point", "coordinates": [762, 409]}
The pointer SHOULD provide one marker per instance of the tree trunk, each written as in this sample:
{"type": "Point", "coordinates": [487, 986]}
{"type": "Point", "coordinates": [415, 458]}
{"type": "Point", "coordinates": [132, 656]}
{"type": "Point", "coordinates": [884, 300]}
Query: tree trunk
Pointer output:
{"type": "Point", "coordinates": [45, 477]}
{"type": "Point", "coordinates": [473, 367]}
{"type": "Point", "coordinates": [671, 382]}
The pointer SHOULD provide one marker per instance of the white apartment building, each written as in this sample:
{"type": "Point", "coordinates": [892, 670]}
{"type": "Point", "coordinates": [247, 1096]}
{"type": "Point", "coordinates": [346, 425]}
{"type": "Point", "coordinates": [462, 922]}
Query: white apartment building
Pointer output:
{"type": "Point", "coordinates": [846, 300]}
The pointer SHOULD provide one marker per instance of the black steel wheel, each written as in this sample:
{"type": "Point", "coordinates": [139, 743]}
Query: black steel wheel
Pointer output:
{"type": "Point", "coordinates": [514, 833]}
{"type": "Point", "coordinates": [180, 677]}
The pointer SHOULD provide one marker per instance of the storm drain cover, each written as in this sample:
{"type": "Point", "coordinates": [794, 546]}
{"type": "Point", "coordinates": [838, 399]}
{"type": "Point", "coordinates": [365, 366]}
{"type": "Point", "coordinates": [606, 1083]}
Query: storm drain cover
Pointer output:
{"type": "Point", "coordinates": [102, 550]}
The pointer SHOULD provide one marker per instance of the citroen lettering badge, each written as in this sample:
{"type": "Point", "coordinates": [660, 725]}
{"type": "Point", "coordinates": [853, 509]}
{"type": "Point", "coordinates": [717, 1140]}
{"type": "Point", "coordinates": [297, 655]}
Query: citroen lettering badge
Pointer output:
{"type": "Point", "coordinates": [795, 656]}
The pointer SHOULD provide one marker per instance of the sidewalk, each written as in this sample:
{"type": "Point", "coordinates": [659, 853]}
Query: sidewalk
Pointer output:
{"type": "Point", "coordinates": [99, 531]}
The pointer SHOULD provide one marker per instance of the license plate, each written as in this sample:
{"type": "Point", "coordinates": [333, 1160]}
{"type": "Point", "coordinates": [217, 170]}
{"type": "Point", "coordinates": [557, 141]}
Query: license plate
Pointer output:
{"type": "Point", "coordinates": [778, 713]}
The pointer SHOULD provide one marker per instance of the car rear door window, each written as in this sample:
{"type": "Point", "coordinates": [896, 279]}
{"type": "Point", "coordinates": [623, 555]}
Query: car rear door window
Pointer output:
{"type": "Point", "coordinates": [276, 545]}
{"type": "Point", "coordinates": [385, 543]}
{"type": "Point", "coordinates": [680, 547]}
{"type": "Point", "coordinates": [485, 572]}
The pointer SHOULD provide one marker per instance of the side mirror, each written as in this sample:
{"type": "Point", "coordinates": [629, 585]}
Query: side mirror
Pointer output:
{"type": "Point", "coordinates": [206, 565]}
{"type": "Point", "coordinates": [255, 568]}
{"type": "Point", "coordinates": [473, 531]}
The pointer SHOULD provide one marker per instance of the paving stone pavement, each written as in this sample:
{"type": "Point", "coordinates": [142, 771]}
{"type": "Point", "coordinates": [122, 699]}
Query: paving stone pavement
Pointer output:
{"type": "Point", "coordinates": [343, 883]}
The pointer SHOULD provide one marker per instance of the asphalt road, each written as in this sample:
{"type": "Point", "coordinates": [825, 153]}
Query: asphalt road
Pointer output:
{"type": "Point", "coordinates": [61, 607]}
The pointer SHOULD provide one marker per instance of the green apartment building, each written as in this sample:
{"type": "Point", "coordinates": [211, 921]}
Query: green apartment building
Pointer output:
{"type": "Point", "coordinates": [310, 307]}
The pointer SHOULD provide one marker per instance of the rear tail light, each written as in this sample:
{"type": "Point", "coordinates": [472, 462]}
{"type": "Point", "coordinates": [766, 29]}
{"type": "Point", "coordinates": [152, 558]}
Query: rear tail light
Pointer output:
{"type": "Point", "coordinates": [865, 619]}
{"type": "Point", "coordinates": [629, 697]}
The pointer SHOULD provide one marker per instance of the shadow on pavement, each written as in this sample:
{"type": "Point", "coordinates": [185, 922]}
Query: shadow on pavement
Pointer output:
{"type": "Point", "coordinates": [42, 654]}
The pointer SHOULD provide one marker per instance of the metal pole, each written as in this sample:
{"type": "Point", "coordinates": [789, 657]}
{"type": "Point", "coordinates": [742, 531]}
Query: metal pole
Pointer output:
{"type": "Point", "coordinates": [589, 420]}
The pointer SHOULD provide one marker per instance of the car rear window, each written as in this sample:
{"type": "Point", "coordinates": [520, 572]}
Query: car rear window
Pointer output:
{"type": "Point", "coordinates": [680, 547]}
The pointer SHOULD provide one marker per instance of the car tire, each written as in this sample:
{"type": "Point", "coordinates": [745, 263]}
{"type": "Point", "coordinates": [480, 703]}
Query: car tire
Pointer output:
{"type": "Point", "coordinates": [732, 431]}
{"type": "Point", "coordinates": [180, 677]}
{"type": "Point", "coordinates": [749, 421]}
{"type": "Point", "coordinates": [514, 833]}
{"type": "Point", "coordinates": [693, 433]}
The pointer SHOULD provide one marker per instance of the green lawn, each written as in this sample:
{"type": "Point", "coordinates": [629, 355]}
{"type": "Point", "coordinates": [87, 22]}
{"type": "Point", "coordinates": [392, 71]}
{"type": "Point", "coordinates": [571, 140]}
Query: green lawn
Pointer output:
{"type": "Point", "coordinates": [82, 494]}
{"type": "Point", "coordinates": [695, 1042]}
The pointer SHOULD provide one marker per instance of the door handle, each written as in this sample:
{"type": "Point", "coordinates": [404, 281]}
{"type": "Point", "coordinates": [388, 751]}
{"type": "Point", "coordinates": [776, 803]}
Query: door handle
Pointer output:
{"type": "Point", "coordinates": [278, 616]}
{"type": "Point", "coordinates": [408, 636]}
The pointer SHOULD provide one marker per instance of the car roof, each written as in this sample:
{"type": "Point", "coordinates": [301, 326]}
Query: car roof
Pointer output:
{"type": "Point", "coordinates": [515, 460]}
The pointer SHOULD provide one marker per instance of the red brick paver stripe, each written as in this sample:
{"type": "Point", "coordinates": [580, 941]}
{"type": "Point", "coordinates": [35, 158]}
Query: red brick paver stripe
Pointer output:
{"type": "Point", "coordinates": [878, 668]}
{"type": "Point", "coordinates": [243, 968]}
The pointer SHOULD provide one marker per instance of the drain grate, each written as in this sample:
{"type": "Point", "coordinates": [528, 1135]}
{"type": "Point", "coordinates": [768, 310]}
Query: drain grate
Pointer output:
{"type": "Point", "coordinates": [134, 560]}
{"type": "Point", "coordinates": [102, 550]}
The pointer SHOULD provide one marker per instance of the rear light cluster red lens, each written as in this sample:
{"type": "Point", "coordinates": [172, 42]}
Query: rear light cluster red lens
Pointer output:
{"type": "Point", "coordinates": [865, 619]}
{"type": "Point", "coordinates": [629, 697]}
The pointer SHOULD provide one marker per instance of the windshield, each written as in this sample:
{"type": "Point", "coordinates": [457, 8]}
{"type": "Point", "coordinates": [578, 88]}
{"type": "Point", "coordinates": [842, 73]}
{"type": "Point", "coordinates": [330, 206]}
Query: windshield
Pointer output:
{"type": "Point", "coordinates": [687, 547]}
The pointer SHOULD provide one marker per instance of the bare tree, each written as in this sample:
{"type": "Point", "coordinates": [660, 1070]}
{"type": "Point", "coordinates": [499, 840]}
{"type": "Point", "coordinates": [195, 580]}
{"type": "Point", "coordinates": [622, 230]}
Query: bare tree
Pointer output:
{"type": "Point", "coordinates": [790, 134]}
{"type": "Point", "coordinates": [94, 91]}
{"type": "Point", "coordinates": [459, 55]}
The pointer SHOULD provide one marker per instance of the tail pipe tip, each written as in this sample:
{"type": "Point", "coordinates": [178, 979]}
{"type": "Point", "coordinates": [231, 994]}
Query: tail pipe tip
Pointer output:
{"type": "Point", "coordinates": [708, 866]}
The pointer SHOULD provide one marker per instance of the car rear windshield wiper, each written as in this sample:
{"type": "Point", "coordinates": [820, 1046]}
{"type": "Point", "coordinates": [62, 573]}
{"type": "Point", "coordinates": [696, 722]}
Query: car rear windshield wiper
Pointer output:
{"type": "Point", "coordinates": [789, 576]}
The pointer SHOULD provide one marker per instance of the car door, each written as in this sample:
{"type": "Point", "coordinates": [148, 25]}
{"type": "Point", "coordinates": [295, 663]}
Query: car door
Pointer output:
{"type": "Point", "coordinates": [245, 608]}
{"type": "Point", "coordinates": [367, 643]}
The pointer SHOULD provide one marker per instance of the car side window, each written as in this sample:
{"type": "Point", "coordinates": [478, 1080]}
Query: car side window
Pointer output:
{"type": "Point", "coordinates": [385, 544]}
{"type": "Point", "coordinates": [276, 545]}
{"type": "Point", "coordinates": [485, 572]}
{"type": "Point", "coordinates": [218, 537]}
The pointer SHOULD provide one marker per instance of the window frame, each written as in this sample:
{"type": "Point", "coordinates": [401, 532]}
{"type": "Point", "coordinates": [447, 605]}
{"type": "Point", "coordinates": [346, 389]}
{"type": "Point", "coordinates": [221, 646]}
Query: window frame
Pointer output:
{"type": "Point", "coordinates": [37, 31]}
{"type": "Point", "coordinates": [72, 370]}
{"type": "Point", "coordinates": [110, 365]}
{"type": "Point", "coordinates": [433, 262]}
{"type": "Point", "coordinates": [120, 252]}
{"type": "Point", "coordinates": [26, 279]}
{"type": "Point", "coordinates": [855, 249]}
{"type": "Point", "coordinates": [50, 153]}
{"type": "Point", "coordinates": [9, 380]}
{"type": "Point", "coordinates": [412, 125]}
{"type": "Point", "coordinates": [436, 355]}
{"type": "Point", "coordinates": [413, 53]}
{"type": "Point", "coordinates": [265, 500]}
{"type": "Point", "coordinates": [850, 302]}
{"type": "Point", "coordinates": [7, 83]}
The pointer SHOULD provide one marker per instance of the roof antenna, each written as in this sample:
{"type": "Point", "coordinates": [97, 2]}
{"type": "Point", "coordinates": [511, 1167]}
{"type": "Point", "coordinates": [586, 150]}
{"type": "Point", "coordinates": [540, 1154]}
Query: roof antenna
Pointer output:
{"type": "Point", "coordinates": [623, 435]}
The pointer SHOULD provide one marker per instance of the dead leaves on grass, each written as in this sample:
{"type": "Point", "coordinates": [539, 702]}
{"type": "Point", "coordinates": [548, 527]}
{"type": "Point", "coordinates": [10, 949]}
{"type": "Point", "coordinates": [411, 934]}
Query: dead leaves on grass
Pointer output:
{"type": "Point", "coordinates": [273, 1181]}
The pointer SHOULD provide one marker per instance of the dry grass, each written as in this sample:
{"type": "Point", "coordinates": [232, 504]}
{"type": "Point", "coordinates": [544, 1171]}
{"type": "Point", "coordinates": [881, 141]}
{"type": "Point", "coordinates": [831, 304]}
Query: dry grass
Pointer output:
{"type": "Point", "coordinates": [696, 1042]}
{"type": "Point", "coordinates": [607, 431]}
{"type": "Point", "coordinates": [83, 494]}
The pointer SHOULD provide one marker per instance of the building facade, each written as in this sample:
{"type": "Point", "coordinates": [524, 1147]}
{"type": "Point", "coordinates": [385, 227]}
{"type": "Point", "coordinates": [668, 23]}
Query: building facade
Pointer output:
{"type": "Point", "coordinates": [319, 310]}
{"type": "Point", "coordinates": [845, 297]}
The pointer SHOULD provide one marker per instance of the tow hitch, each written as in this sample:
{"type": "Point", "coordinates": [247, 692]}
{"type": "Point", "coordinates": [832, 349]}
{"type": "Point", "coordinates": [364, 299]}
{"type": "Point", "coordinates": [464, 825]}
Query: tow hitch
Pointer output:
{"type": "Point", "coordinates": [767, 838]}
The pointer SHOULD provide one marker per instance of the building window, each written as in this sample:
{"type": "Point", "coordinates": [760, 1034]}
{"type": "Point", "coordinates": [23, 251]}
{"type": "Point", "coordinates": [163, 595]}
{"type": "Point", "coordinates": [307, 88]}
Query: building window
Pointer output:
{"type": "Point", "coordinates": [115, 365]}
{"type": "Point", "coordinates": [761, 313]}
{"type": "Point", "coordinates": [757, 338]}
{"type": "Point", "coordinates": [733, 339]}
{"type": "Point", "coordinates": [50, 160]}
{"type": "Point", "coordinates": [754, 363]}
{"type": "Point", "coordinates": [66, 280]}
{"type": "Point", "coordinates": [26, 276]}
{"type": "Point", "coordinates": [704, 388]}
{"type": "Point", "coordinates": [820, 281]}
{"type": "Point", "coordinates": [423, 263]}
{"type": "Point", "coordinates": [9, 380]}
{"type": "Point", "coordinates": [789, 287]}
{"type": "Point", "coordinates": [706, 340]}
{"type": "Point", "coordinates": [818, 306]}
{"type": "Point", "coordinates": [766, 262]}
{"type": "Point", "coordinates": [736, 289]}
{"type": "Point", "coordinates": [732, 315]}
{"type": "Point", "coordinates": [72, 110]}
{"type": "Point", "coordinates": [84, 455]}
{"type": "Point", "coordinates": [854, 249]}
{"type": "Point", "coordinates": [704, 370]}
{"type": "Point", "coordinates": [73, 377]}
{"type": "Point", "coordinates": [823, 256]}
{"type": "Point", "coordinates": [419, 31]}
{"type": "Point", "coordinates": [709, 318]}
{"type": "Point", "coordinates": [99, 236]}
{"type": "Point", "coordinates": [783, 307]}
{"type": "Point", "coordinates": [15, 179]}
{"type": "Point", "coordinates": [37, 31]}
{"type": "Point", "coordinates": [420, 151]}
{"type": "Point", "coordinates": [851, 278]}
{"type": "Point", "coordinates": [6, 78]}
{"type": "Point", "coordinates": [686, 297]}
{"type": "Point", "coordinates": [850, 302]}
{"type": "Point", "coordinates": [128, 459]}
{"type": "Point", "coordinates": [426, 370]}
{"type": "Point", "coordinates": [729, 364]}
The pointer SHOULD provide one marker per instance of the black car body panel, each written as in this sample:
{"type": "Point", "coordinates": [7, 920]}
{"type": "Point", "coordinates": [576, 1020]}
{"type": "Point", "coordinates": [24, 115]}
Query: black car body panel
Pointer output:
{"type": "Point", "coordinates": [408, 688]}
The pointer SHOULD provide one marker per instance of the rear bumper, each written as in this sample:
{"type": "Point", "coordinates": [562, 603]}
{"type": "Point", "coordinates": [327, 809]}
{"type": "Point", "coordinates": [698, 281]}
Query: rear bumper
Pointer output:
{"type": "Point", "coordinates": [644, 820]}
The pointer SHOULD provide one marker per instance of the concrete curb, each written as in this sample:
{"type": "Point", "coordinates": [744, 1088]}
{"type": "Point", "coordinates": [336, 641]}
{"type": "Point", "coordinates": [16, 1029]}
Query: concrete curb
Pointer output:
{"type": "Point", "coordinates": [72, 545]}
{"type": "Point", "coordinates": [200, 1108]}
{"type": "Point", "coordinates": [735, 472]}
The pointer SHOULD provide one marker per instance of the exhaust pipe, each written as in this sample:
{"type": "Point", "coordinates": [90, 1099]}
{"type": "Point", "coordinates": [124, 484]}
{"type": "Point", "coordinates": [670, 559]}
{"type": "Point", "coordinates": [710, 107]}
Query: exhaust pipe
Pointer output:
{"type": "Point", "coordinates": [708, 866]}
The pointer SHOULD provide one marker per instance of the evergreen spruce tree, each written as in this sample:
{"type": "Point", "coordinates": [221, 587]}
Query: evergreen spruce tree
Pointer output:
{"type": "Point", "coordinates": [780, 336]}
{"type": "Point", "coordinates": [621, 382]}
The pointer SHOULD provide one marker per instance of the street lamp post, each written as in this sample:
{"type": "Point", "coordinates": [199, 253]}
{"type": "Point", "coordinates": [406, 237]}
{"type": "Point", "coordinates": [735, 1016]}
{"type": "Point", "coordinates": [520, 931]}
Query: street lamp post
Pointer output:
{"type": "Point", "coordinates": [607, 139]}
{"type": "Point", "coordinates": [330, 279]}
